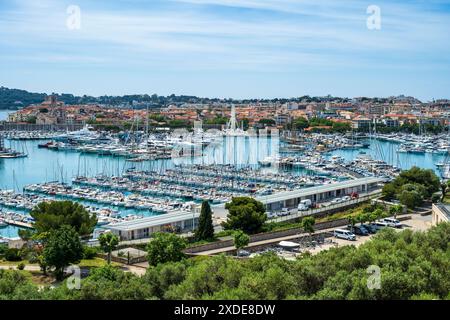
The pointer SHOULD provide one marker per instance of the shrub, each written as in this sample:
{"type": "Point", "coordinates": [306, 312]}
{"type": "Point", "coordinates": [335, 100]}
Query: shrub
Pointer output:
{"type": "Point", "coordinates": [13, 254]}
{"type": "Point", "coordinates": [89, 253]}
{"type": "Point", "coordinates": [21, 266]}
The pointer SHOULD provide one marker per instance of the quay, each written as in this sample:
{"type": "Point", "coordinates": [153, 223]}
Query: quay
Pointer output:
{"type": "Point", "coordinates": [18, 223]}
{"type": "Point", "coordinates": [290, 199]}
{"type": "Point", "coordinates": [179, 221]}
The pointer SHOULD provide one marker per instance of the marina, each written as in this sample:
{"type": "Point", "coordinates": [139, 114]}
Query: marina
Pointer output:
{"type": "Point", "coordinates": [228, 165]}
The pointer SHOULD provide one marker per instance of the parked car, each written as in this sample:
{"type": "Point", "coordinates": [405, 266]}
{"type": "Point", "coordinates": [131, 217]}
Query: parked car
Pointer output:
{"type": "Point", "coordinates": [271, 215]}
{"type": "Point", "coordinates": [243, 253]}
{"type": "Point", "coordinates": [359, 230]}
{"type": "Point", "coordinates": [287, 211]}
{"type": "Point", "coordinates": [336, 200]}
{"type": "Point", "coordinates": [344, 234]}
{"type": "Point", "coordinates": [391, 222]}
{"type": "Point", "coordinates": [371, 228]}
{"type": "Point", "coordinates": [380, 224]}
{"type": "Point", "coordinates": [346, 198]}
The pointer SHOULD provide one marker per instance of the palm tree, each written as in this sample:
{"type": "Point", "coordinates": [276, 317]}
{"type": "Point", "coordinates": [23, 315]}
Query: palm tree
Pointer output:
{"type": "Point", "coordinates": [108, 242]}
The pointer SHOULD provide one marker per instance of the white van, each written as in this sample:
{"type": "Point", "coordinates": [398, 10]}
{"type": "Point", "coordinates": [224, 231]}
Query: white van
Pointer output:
{"type": "Point", "coordinates": [344, 234]}
{"type": "Point", "coordinates": [304, 205]}
{"type": "Point", "coordinates": [391, 222]}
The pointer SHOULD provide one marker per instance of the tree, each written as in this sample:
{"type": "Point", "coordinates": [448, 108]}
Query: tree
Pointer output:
{"type": "Point", "coordinates": [308, 224]}
{"type": "Point", "coordinates": [240, 239]}
{"type": "Point", "coordinates": [53, 215]}
{"type": "Point", "coordinates": [395, 210]}
{"type": "Point", "coordinates": [378, 214]}
{"type": "Point", "coordinates": [108, 242]}
{"type": "Point", "coordinates": [445, 187]}
{"type": "Point", "coordinates": [267, 122]}
{"type": "Point", "coordinates": [62, 249]}
{"type": "Point", "coordinates": [245, 214]}
{"type": "Point", "coordinates": [362, 218]}
{"type": "Point", "coordinates": [165, 247]}
{"type": "Point", "coordinates": [205, 230]}
{"type": "Point", "coordinates": [422, 181]}
{"type": "Point", "coordinates": [300, 123]}
{"type": "Point", "coordinates": [352, 220]}
{"type": "Point", "coordinates": [411, 199]}
{"type": "Point", "coordinates": [26, 234]}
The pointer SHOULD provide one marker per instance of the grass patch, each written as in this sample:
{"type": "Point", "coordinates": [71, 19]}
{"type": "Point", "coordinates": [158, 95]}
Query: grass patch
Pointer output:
{"type": "Point", "coordinates": [281, 226]}
{"type": "Point", "coordinates": [95, 263]}
{"type": "Point", "coordinates": [446, 200]}
{"type": "Point", "coordinates": [15, 263]}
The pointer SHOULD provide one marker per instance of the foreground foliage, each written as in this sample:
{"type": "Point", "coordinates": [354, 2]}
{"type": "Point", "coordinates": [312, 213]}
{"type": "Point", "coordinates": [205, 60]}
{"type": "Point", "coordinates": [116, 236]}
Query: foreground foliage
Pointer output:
{"type": "Point", "coordinates": [413, 266]}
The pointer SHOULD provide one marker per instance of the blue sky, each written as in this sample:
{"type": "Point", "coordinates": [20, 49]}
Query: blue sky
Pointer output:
{"type": "Point", "coordinates": [227, 48]}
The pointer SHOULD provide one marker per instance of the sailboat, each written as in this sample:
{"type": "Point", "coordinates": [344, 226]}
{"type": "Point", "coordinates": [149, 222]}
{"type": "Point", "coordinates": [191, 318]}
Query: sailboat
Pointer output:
{"type": "Point", "coordinates": [232, 130]}
{"type": "Point", "coordinates": [9, 153]}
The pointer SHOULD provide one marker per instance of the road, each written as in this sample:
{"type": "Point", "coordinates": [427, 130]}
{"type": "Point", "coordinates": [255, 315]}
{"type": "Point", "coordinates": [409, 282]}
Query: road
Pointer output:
{"type": "Point", "coordinates": [417, 223]}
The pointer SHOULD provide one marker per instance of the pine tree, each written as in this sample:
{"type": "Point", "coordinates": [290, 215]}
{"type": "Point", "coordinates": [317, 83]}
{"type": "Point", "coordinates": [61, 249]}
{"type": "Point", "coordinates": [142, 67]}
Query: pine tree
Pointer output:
{"type": "Point", "coordinates": [205, 230]}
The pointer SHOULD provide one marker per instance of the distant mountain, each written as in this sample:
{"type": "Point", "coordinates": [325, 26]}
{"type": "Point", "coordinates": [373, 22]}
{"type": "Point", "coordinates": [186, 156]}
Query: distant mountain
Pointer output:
{"type": "Point", "coordinates": [16, 99]}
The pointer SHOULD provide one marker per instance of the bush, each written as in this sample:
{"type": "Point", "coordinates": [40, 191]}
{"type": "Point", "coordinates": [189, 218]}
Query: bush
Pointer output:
{"type": "Point", "coordinates": [3, 249]}
{"type": "Point", "coordinates": [32, 257]}
{"type": "Point", "coordinates": [89, 253]}
{"type": "Point", "coordinates": [12, 254]}
{"type": "Point", "coordinates": [436, 198]}
{"type": "Point", "coordinates": [21, 266]}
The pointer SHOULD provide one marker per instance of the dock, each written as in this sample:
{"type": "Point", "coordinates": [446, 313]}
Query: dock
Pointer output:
{"type": "Point", "coordinates": [18, 223]}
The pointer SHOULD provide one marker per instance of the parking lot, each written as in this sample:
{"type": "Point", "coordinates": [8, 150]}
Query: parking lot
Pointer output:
{"type": "Point", "coordinates": [416, 223]}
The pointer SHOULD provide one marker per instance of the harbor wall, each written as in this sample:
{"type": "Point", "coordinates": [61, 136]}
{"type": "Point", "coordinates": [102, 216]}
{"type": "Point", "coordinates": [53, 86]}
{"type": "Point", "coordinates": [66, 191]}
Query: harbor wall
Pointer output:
{"type": "Point", "coordinates": [9, 126]}
{"type": "Point", "coordinates": [275, 235]}
{"type": "Point", "coordinates": [267, 236]}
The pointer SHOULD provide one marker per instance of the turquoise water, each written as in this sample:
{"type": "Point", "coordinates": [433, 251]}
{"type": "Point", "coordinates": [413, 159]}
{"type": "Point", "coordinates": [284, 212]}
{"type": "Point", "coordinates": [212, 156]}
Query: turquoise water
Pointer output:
{"type": "Point", "coordinates": [43, 165]}
{"type": "Point", "coordinates": [9, 231]}
{"type": "Point", "coordinates": [386, 150]}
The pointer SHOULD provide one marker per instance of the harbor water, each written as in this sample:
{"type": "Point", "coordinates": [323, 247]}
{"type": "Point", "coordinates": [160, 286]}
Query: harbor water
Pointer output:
{"type": "Point", "coordinates": [4, 114]}
{"type": "Point", "coordinates": [44, 165]}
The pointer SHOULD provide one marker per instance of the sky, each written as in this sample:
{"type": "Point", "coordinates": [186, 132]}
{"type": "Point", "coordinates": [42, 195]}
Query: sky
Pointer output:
{"type": "Point", "coordinates": [227, 48]}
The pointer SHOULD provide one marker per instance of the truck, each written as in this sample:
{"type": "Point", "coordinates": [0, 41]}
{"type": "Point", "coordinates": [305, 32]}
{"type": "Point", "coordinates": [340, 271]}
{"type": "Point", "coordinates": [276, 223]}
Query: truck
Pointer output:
{"type": "Point", "coordinates": [304, 205]}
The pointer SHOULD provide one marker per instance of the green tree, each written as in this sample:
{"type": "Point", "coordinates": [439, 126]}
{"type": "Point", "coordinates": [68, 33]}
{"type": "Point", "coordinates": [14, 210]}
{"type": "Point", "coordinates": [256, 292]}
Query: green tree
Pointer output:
{"type": "Point", "coordinates": [53, 215]}
{"type": "Point", "coordinates": [267, 122]}
{"type": "Point", "coordinates": [205, 230]}
{"type": "Point", "coordinates": [62, 249]}
{"type": "Point", "coordinates": [445, 188]}
{"type": "Point", "coordinates": [352, 220]}
{"type": "Point", "coordinates": [108, 243]}
{"type": "Point", "coordinates": [300, 123]}
{"type": "Point", "coordinates": [362, 218]}
{"type": "Point", "coordinates": [26, 234]}
{"type": "Point", "coordinates": [411, 199]}
{"type": "Point", "coordinates": [240, 239]}
{"type": "Point", "coordinates": [246, 214]}
{"type": "Point", "coordinates": [165, 247]}
{"type": "Point", "coordinates": [308, 224]}
{"type": "Point", "coordinates": [423, 181]}
{"type": "Point", "coordinates": [396, 210]}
